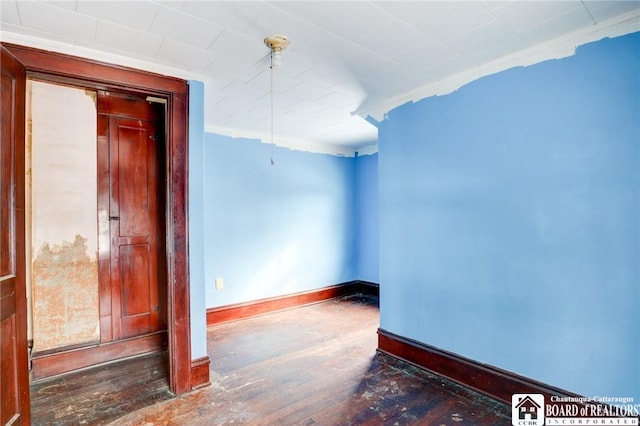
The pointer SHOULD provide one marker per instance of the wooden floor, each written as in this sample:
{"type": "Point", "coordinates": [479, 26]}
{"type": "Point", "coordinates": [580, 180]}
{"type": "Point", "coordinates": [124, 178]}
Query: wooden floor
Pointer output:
{"type": "Point", "coordinates": [315, 365]}
{"type": "Point", "coordinates": [99, 395]}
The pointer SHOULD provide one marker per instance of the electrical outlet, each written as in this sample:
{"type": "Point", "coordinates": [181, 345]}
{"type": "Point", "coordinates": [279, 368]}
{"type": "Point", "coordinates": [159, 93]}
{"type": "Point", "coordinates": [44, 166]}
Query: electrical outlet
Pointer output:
{"type": "Point", "coordinates": [219, 283]}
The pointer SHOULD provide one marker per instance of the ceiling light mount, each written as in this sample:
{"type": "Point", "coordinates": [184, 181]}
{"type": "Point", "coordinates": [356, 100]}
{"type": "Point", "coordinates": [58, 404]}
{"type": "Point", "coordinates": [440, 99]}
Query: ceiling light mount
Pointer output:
{"type": "Point", "coordinates": [277, 43]}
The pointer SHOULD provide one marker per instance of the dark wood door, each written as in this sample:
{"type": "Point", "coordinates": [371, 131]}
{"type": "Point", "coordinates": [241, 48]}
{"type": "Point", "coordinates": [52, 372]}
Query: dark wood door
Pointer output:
{"type": "Point", "coordinates": [131, 131]}
{"type": "Point", "coordinates": [14, 378]}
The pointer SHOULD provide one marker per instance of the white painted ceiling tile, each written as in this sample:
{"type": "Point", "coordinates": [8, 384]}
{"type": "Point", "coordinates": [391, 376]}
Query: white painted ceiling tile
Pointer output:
{"type": "Point", "coordinates": [376, 91]}
{"type": "Point", "coordinates": [17, 29]}
{"type": "Point", "coordinates": [134, 14]}
{"type": "Point", "coordinates": [354, 129]}
{"type": "Point", "coordinates": [63, 4]}
{"type": "Point", "coordinates": [394, 38]}
{"type": "Point", "coordinates": [281, 84]}
{"type": "Point", "coordinates": [292, 65]}
{"type": "Point", "coordinates": [407, 11]}
{"type": "Point", "coordinates": [294, 120]}
{"type": "Point", "coordinates": [329, 117]}
{"type": "Point", "coordinates": [603, 10]}
{"type": "Point", "coordinates": [255, 89]}
{"type": "Point", "coordinates": [392, 81]}
{"type": "Point", "coordinates": [563, 24]}
{"type": "Point", "coordinates": [307, 91]}
{"type": "Point", "coordinates": [221, 113]}
{"type": "Point", "coordinates": [9, 12]}
{"type": "Point", "coordinates": [125, 39]}
{"type": "Point", "coordinates": [320, 46]}
{"type": "Point", "coordinates": [351, 88]}
{"type": "Point", "coordinates": [215, 89]}
{"type": "Point", "coordinates": [520, 15]}
{"type": "Point", "coordinates": [254, 119]}
{"type": "Point", "coordinates": [282, 102]}
{"type": "Point", "coordinates": [301, 116]}
{"type": "Point", "coordinates": [447, 20]}
{"type": "Point", "coordinates": [302, 112]}
{"type": "Point", "coordinates": [229, 70]}
{"type": "Point", "coordinates": [232, 44]}
{"type": "Point", "coordinates": [188, 57]}
{"type": "Point", "coordinates": [481, 40]}
{"type": "Point", "coordinates": [326, 76]}
{"type": "Point", "coordinates": [350, 129]}
{"type": "Point", "coordinates": [259, 124]}
{"type": "Point", "coordinates": [499, 51]}
{"type": "Point", "coordinates": [184, 28]}
{"type": "Point", "coordinates": [173, 4]}
{"type": "Point", "coordinates": [339, 100]}
{"type": "Point", "coordinates": [448, 68]}
{"type": "Point", "coordinates": [254, 19]}
{"type": "Point", "coordinates": [426, 55]}
{"type": "Point", "coordinates": [495, 5]}
{"type": "Point", "coordinates": [57, 21]}
{"type": "Point", "coordinates": [235, 15]}
{"type": "Point", "coordinates": [367, 16]}
{"type": "Point", "coordinates": [366, 64]}
{"type": "Point", "coordinates": [298, 132]}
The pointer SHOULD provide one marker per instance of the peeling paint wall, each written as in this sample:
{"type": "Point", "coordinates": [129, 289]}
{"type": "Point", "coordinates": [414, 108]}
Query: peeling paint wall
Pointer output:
{"type": "Point", "coordinates": [63, 203]}
{"type": "Point", "coordinates": [65, 291]}
{"type": "Point", "coordinates": [511, 208]}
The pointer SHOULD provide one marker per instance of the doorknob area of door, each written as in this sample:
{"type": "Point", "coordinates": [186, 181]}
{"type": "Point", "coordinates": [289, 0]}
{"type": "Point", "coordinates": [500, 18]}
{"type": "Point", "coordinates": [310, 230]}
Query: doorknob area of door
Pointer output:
{"type": "Point", "coordinates": [114, 217]}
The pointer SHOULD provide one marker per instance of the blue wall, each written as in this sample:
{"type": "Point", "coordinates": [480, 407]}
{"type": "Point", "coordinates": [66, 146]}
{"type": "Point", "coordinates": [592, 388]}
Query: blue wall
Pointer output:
{"type": "Point", "coordinates": [510, 220]}
{"type": "Point", "coordinates": [367, 208]}
{"type": "Point", "coordinates": [274, 230]}
{"type": "Point", "coordinates": [196, 221]}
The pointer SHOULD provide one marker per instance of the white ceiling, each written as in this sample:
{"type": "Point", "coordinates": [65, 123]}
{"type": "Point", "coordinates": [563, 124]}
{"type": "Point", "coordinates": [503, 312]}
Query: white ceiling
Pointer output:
{"type": "Point", "coordinates": [347, 59]}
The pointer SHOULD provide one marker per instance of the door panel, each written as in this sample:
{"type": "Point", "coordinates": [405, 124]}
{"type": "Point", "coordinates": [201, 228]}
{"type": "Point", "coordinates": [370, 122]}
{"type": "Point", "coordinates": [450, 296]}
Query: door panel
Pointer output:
{"type": "Point", "coordinates": [14, 379]}
{"type": "Point", "coordinates": [136, 212]}
{"type": "Point", "coordinates": [133, 197]}
{"type": "Point", "coordinates": [134, 258]}
{"type": "Point", "coordinates": [9, 391]}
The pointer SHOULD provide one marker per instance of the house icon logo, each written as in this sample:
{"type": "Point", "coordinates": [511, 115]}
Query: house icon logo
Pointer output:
{"type": "Point", "coordinates": [527, 409]}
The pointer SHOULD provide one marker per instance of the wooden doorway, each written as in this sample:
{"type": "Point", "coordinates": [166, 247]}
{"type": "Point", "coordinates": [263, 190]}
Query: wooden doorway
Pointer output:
{"type": "Point", "coordinates": [131, 137]}
{"type": "Point", "coordinates": [95, 170]}
{"type": "Point", "coordinates": [55, 67]}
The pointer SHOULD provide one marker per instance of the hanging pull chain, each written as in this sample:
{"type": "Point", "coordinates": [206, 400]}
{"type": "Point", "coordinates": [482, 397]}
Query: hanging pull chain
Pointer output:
{"type": "Point", "coordinates": [273, 162]}
{"type": "Point", "coordinates": [277, 43]}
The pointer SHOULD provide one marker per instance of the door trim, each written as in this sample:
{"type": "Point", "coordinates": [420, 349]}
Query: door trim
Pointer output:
{"type": "Point", "coordinates": [13, 300]}
{"type": "Point", "coordinates": [46, 366]}
{"type": "Point", "coordinates": [61, 68]}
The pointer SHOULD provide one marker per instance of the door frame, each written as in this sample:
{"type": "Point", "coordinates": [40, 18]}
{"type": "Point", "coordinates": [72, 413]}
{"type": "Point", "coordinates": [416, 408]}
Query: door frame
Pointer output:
{"type": "Point", "coordinates": [14, 377]}
{"type": "Point", "coordinates": [61, 68]}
